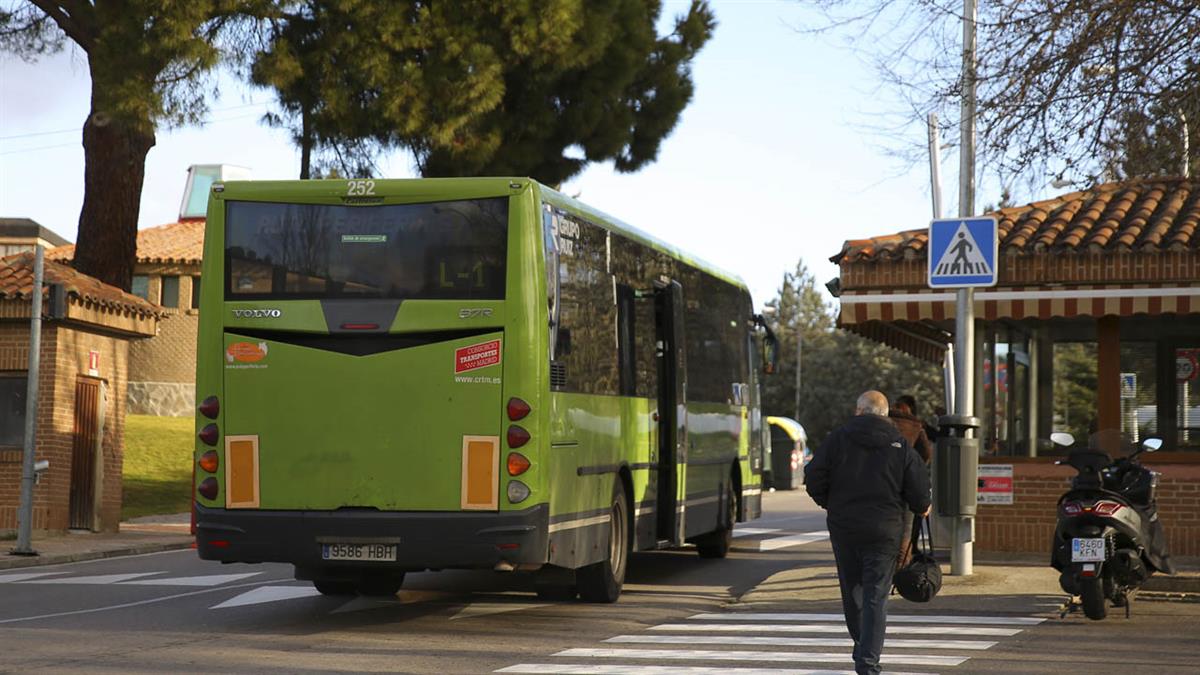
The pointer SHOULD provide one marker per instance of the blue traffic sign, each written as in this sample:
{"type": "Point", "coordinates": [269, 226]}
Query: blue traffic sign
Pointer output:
{"type": "Point", "coordinates": [963, 252]}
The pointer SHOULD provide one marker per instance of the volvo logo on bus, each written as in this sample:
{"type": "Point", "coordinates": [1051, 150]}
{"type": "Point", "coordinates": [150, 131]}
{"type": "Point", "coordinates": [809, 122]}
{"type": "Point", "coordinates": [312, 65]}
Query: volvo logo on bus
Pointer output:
{"type": "Point", "coordinates": [474, 312]}
{"type": "Point", "coordinates": [258, 313]}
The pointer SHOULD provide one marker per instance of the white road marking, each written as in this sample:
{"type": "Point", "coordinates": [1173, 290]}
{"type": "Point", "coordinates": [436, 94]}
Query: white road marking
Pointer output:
{"type": "Point", "coordinates": [612, 669]}
{"type": "Point", "coordinates": [13, 578]}
{"type": "Point", "coordinates": [792, 540]}
{"type": "Point", "coordinates": [268, 594]}
{"type": "Point", "coordinates": [98, 580]}
{"type": "Point", "coordinates": [746, 655]}
{"type": "Point", "coordinates": [760, 641]}
{"type": "Point", "coordinates": [210, 580]}
{"type": "Point", "coordinates": [892, 618]}
{"type": "Point", "coordinates": [485, 608]}
{"type": "Point", "coordinates": [126, 605]}
{"type": "Point", "coordinates": [834, 629]}
{"type": "Point", "coordinates": [748, 531]}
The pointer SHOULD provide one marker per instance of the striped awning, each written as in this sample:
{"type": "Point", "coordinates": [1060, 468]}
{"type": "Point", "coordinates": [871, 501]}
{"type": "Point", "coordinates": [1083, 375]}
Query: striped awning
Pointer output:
{"type": "Point", "coordinates": [860, 307]}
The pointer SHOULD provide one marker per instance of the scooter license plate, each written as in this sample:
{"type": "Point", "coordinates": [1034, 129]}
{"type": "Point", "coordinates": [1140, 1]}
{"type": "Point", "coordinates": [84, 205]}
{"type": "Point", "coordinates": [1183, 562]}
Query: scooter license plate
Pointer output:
{"type": "Point", "coordinates": [1087, 550]}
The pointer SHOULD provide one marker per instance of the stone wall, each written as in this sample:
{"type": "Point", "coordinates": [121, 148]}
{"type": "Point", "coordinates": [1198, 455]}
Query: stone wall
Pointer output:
{"type": "Point", "coordinates": [163, 399]}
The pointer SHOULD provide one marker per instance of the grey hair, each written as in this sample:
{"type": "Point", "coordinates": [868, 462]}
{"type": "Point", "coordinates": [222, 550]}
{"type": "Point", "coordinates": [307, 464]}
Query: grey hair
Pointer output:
{"type": "Point", "coordinates": [872, 403]}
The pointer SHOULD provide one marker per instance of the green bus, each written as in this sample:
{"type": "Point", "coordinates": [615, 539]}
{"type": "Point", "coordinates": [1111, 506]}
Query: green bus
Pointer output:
{"type": "Point", "coordinates": [404, 375]}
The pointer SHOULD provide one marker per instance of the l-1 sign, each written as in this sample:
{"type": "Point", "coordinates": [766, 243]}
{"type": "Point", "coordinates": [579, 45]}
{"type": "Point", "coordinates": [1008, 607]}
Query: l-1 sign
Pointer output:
{"type": "Point", "coordinates": [995, 484]}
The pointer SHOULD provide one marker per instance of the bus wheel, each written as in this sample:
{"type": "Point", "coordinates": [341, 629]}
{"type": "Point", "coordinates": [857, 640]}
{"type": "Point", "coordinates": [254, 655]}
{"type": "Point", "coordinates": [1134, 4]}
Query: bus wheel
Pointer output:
{"type": "Point", "coordinates": [717, 544]}
{"type": "Point", "coordinates": [379, 585]}
{"type": "Point", "coordinates": [602, 581]}
{"type": "Point", "coordinates": [329, 587]}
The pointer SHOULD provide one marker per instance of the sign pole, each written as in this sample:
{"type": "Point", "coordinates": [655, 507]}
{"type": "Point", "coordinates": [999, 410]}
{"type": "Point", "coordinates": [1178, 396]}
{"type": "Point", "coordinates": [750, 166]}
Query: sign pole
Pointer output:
{"type": "Point", "coordinates": [28, 476]}
{"type": "Point", "coordinates": [963, 534]}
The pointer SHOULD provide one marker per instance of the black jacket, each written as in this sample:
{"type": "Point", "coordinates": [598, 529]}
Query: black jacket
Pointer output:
{"type": "Point", "coordinates": [866, 476]}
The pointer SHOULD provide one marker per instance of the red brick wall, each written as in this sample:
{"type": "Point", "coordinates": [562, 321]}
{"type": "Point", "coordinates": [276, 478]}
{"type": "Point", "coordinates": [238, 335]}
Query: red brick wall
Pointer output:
{"type": "Point", "coordinates": [64, 357]}
{"type": "Point", "coordinates": [1027, 525]}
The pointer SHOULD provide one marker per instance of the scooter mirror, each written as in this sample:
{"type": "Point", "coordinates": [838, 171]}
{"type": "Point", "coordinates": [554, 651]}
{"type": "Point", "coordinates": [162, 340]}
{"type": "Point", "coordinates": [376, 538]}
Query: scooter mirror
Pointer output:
{"type": "Point", "coordinates": [1152, 444]}
{"type": "Point", "coordinates": [1062, 438]}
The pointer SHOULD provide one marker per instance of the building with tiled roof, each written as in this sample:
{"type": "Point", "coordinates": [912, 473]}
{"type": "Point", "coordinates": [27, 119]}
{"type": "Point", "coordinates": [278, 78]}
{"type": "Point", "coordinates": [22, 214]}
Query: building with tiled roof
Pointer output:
{"type": "Point", "coordinates": [1094, 324]}
{"type": "Point", "coordinates": [86, 334]}
{"type": "Point", "coordinates": [22, 234]}
{"type": "Point", "coordinates": [166, 272]}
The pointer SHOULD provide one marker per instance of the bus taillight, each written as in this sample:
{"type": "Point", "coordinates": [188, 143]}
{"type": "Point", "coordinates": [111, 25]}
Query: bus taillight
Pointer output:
{"type": "Point", "coordinates": [210, 407]}
{"type": "Point", "coordinates": [517, 436]}
{"type": "Point", "coordinates": [517, 464]}
{"type": "Point", "coordinates": [209, 434]}
{"type": "Point", "coordinates": [517, 492]}
{"type": "Point", "coordinates": [209, 461]}
{"type": "Point", "coordinates": [208, 488]}
{"type": "Point", "coordinates": [517, 409]}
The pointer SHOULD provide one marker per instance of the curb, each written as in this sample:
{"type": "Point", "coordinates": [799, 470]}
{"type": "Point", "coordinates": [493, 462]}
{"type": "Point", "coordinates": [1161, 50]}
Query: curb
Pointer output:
{"type": "Point", "coordinates": [16, 562]}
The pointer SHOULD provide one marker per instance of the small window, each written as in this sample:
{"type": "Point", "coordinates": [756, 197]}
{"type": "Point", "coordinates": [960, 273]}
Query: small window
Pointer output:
{"type": "Point", "coordinates": [12, 410]}
{"type": "Point", "coordinates": [141, 286]}
{"type": "Point", "coordinates": [170, 292]}
{"type": "Point", "coordinates": [195, 292]}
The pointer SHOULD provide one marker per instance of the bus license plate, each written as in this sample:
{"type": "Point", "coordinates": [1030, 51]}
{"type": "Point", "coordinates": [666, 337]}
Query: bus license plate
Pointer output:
{"type": "Point", "coordinates": [1087, 550]}
{"type": "Point", "coordinates": [363, 552]}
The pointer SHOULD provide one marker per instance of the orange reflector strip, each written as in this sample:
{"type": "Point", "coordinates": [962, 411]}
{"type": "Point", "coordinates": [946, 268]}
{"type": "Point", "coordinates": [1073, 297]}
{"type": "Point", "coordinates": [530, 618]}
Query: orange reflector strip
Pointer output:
{"type": "Point", "coordinates": [241, 472]}
{"type": "Point", "coordinates": [480, 469]}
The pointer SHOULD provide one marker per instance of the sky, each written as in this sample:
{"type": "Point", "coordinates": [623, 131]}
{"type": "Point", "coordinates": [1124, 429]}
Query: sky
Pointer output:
{"type": "Point", "coordinates": [769, 165]}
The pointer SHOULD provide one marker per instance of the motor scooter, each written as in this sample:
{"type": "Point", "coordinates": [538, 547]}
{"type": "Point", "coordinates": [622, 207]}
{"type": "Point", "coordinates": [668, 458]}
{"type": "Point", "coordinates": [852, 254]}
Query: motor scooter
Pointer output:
{"type": "Point", "coordinates": [1108, 539]}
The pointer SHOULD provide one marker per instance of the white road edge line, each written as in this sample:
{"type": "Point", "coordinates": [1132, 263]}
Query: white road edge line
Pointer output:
{"type": "Point", "coordinates": [139, 603]}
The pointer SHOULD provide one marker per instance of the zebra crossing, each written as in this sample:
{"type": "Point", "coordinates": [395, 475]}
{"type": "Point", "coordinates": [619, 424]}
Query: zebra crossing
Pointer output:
{"type": "Point", "coordinates": [779, 643]}
{"type": "Point", "coordinates": [773, 539]}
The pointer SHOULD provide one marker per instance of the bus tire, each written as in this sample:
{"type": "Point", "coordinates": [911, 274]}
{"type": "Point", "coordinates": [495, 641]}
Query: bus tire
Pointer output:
{"type": "Point", "coordinates": [331, 587]}
{"type": "Point", "coordinates": [382, 586]}
{"type": "Point", "coordinates": [602, 581]}
{"type": "Point", "coordinates": [717, 544]}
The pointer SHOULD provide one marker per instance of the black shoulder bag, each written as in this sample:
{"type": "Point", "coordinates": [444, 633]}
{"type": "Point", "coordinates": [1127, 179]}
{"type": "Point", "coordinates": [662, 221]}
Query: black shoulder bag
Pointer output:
{"type": "Point", "coordinates": [921, 579]}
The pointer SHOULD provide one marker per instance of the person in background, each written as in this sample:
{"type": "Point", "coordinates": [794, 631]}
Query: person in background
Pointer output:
{"type": "Point", "coordinates": [904, 415]}
{"type": "Point", "coordinates": [868, 479]}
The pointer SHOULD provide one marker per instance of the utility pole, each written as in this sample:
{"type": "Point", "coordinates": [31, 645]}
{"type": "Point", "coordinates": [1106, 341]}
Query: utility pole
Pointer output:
{"type": "Point", "coordinates": [963, 531]}
{"type": "Point", "coordinates": [28, 476]}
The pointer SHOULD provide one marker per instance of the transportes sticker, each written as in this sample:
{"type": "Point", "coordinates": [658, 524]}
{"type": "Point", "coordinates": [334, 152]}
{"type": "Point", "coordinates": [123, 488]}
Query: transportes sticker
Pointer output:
{"type": "Point", "coordinates": [246, 352]}
{"type": "Point", "coordinates": [477, 356]}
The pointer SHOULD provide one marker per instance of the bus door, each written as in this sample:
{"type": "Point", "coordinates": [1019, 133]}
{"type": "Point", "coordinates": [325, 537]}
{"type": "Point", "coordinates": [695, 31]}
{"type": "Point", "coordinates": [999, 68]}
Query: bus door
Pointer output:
{"type": "Point", "coordinates": [672, 399]}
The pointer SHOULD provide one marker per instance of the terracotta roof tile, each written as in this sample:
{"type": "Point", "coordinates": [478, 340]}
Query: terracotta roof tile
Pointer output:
{"type": "Point", "coordinates": [181, 242]}
{"type": "Point", "coordinates": [1153, 214]}
{"type": "Point", "coordinates": [16, 281]}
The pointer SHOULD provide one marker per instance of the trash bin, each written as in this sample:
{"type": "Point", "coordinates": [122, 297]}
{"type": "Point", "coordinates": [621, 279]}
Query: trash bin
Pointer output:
{"type": "Point", "coordinates": [956, 466]}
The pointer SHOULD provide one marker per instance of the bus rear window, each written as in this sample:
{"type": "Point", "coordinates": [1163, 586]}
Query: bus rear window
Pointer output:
{"type": "Point", "coordinates": [442, 250]}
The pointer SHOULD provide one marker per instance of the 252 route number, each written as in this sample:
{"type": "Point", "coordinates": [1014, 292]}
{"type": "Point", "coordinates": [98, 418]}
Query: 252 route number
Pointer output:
{"type": "Point", "coordinates": [360, 188]}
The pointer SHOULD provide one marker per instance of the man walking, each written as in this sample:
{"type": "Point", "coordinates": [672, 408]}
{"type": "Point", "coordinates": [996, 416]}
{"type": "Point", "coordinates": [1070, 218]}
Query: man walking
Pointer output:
{"type": "Point", "coordinates": [868, 478]}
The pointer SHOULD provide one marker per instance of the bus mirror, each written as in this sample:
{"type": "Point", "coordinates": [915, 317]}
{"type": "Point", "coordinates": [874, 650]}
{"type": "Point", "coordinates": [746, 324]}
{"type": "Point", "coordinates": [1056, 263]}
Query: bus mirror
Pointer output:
{"type": "Point", "coordinates": [770, 353]}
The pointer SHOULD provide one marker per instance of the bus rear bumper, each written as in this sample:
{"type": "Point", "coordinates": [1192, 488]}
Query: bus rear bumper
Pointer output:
{"type": "Point", "coordinates": [424, 540]}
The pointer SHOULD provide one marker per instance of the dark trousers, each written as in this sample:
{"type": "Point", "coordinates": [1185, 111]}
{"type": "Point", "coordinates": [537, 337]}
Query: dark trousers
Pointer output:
{"type": "Point", "coordinates": [865, 575]}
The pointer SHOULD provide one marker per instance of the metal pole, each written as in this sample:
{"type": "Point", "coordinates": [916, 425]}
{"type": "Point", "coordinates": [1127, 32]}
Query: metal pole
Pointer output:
{"type": "Point", "coordinates": [961, 553]}
{"type": "Point", "coordinates": [935, 166]}
{"type": "Point", "coordinates": [25, 508]}
{"type": "Point", "coordinates": [799, 343]}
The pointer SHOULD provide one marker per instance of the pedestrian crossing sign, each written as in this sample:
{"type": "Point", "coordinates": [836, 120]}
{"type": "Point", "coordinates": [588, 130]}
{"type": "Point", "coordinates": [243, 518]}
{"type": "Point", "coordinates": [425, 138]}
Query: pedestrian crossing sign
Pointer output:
{"type": "Point", "coordinates": [963, 252]}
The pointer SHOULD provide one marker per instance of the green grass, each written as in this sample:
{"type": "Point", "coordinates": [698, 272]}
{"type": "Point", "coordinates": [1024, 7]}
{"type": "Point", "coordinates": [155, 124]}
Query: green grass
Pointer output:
{"type": "Point", "coordinates": [157, 477]}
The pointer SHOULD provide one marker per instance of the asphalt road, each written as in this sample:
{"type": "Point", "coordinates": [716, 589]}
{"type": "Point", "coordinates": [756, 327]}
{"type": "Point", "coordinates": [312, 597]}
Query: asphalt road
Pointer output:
{"type": "Point", "coordinates": [171, 612]}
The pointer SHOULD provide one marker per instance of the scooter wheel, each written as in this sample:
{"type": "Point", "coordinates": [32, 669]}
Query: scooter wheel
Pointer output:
{"type": "Point", "coordinates": [1091, 592]}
